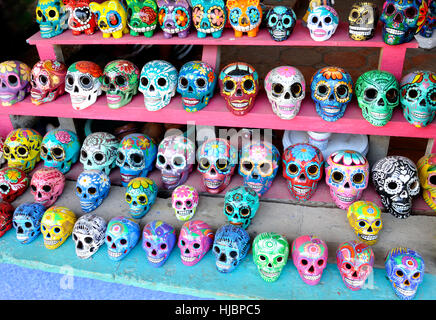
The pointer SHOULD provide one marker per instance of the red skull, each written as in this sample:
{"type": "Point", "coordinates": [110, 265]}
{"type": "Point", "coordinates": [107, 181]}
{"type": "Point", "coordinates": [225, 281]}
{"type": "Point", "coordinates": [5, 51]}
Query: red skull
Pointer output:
{"type": "Point", "coordinates": [6, 213]}
{"type": "Point", "coordinates": [13, 183]}
{"type": "Point", "coordinates": [81, 19]}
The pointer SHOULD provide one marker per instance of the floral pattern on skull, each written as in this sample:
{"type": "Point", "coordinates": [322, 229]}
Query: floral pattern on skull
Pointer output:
{"type": "Point", "coordinates": [46, 185]}
{"type": "Point", "coordinates": [57, 225]}
{"type": "Point", "coordinates": [27, 221]}
{"type": "Point", "coordinates": [122, 235]}
{"type": "Point", "coordinates": [92, 187]}
{"type": "Point", "coordinates": [365, 219]}
{"type": "Point", "coordinates": [240, 206]}
{"type": "Point", "coordinates": [158, 240]}
{"type": "Point", "coordinates": [195, 240]}
{"type": "Point", "coordinates": [141, 194]}
{"type": "Point", "coordinates": [14, 82]}
{"type": "Point", "coordinates": [13, 183]}
{"type": "Point", "coordinates": [184, 200]}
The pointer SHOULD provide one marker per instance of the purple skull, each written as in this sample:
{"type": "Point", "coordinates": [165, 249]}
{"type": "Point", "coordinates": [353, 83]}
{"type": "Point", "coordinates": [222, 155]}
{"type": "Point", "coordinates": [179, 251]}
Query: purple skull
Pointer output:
{"type": "Point", "coordinates": [174, 17]}
{"type": "Point", "coordinates": [14, 81]}
{"type": "Point", "coordinates": [158, 239]}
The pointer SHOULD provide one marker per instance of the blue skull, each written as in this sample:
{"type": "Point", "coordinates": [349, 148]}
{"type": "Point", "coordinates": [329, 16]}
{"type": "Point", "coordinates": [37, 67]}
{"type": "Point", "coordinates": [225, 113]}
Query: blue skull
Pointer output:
{"type": "Point", "coordinates": [92, 187]}
{"type": "Point", "coordinates": [122, 234]}
{"type": "Point", "coordinates": [209, 17]}
{"type": "Point", "coordinates": [52, 17]}
{"type": "Point", "coordinates": [27, 221]}
{"type": "Point", "coordinates": [281, 22]}
{"type": "Point", "coordinates": [240, 206]}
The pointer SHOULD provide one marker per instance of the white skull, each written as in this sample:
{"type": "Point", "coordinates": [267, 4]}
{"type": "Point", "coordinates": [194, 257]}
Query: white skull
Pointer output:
{"type": "Point", "coordinates": [99, 152]}
{"type": "Point", "coordinates": [322, 23]}
{"type": "Point", "coordinates": [89, 234]}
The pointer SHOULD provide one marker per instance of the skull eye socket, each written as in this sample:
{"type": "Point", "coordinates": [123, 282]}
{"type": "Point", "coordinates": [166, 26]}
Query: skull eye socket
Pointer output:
{"type": "Point", "coordinates": [412, 94]}
{"type": "Point", "coordinates": [43, 228]}
{"type": "Point", "coordinates": [293, 169]}
{"type": "Point", "coordinates": [221, 164]}
{"type": "Point", "coordinates": [392, 185]}
{"type": "Point", "coordinates": [39, 13]}
{"type": "Point", "coordinates": [287, 21]}
{"type": "Point", "coordinates": [432, 180]}
{"type": "Point", "coordinates": [204, 163]}
{"type": "Point", "coordinates": [247, 165]}
{"type": "Point", "coordinates": [120, 156]}
{"type": "Point", "coordinates": [142, 199]}
{"type": "Point", "coordinates": [322, 90]}
{"type": "Point", "coordinates": [92, 190]}
{"type": "Point", "coordinates": [411, 13]}
{"type": "Point", "coordinates": [178, 204]}
{"type": "Point", "coordinates": [416, 275]}
{"type": "Point", "coordinates": [128, 198]}
{"type": "Point", "coordinates": [78, 189]}
{"type": "Point", "coordinates": [414, 185]}
{"type": "Point", "coordinates": [304, 262]}
{"type": "Point", "coordinates": [399, 273]}
{"type": "Point", "coordinates": [83, 153]}
{"type": "Point", "coordinates": [144, 81]}
{"type": "Point", "coordinates": [46, 188]}
{"type": "Point", "coordinates": [120, 80]}
{"type": "Point", "coordinates": [378, 223]}
{"type": "Point", "coordinates": [390, 9]}
{"type": "Point", "coordinates": [4, 188]}
{"type": "Point", "coordinates": [69, 79]}
{"type": "Point", "coordinates": [136, 158]}
{"type": "Point", "coordinates": [163, 246]}
{"type": "Point", "coordinates": [265, 167]}
{"type": "Point", "coordinates": [358, 178]}
{"type": "Point", "coordinates": [279, 259]}
{"type": "Point", "coordinates": [362, 224]}
{"type": "Point", "coordinates": [43, 79]}
{"type": "Point", "coordinates": [262, 258]}
{"type": "Point", "coordinates": [123, 241]}
{"type": "Point", "coordinates": [216, 249]}
{"type": "Point", "coordinates": [277, 88]}
{"type": "Point", "coordinates": [6, 149]}
{"type": "Point", "coordinates": [245, 212]}
{"type": "Point", "coordinates": [273, 19]}
{"type": "Point", "coordinates": [196, 246]}
{"type": "Point", "coordinates": [233, 254]}
{"type": "Point", "coordinates": [106, 80]}
{"type": "Point", "coordinates": [229, 85]}
{"type": "Point", "coordinates": [22, 151]}
{"type": "Point", "coordinates": [328, 20]}
{"type": "Point", "coordinates": [98, 157]}
{"type": "Point", "coordinates": [148, 244]}
{"type": "Point", "coordinates": [229, 209]}
{"type": "Point", "coordinates": [58, 153]}
{"type": "Point", "coordinates": [337, 176]}
{"type": "Point", "coordinates": [178, 161]}
{"type": "Point", "coordinates": [348, 266]}
{"type": "Point", "coordinates": [188, 204]}
{"type": "Point", "coordinates": [12, 80]}
{"type": "Point", "coordinates": [86, 82]}
{"type": "Point", "coordinates": [370, 94]}
{"type": "Point", "coordinates": [313, 170]}
{"type": "Point", "coordinates": [109, 238]}
{"type": "Point", "coordinates": [320, 262]}
{"type": "Point", "coordinates": [342, 91]}
{"type": "Point", "coordinates": [200, 82]}
{"type": "Point", "coordinates": [354, 14]}
{"type": "Point", "coordinates": [392, 95]}
{"type": "Point", "coordinates": [88, 240]}
{"type": "Point", "coordinates": [182, 243]}
{"type": "Point", "coordinates": [162, 82]}
{"type": "Point", "coordinates": [28, 224]}
{"type": "Point", "coordinates": [248, 85]}
{"type": "Point", "coordinates": [314, 19]}
{"type": "Point", "coordinates": [161, 159]}
{"type": "Point", "coordinates": [57, 230]}
{"type": "Point", "coordinates": [52, 13]}
{"type": "Point", "coordinates": [183, 82]}
{"type": "Point", "coordinates": [296, 90]}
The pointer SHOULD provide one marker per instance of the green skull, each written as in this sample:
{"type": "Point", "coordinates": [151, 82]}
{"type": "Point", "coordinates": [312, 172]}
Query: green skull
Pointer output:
{"type": "Point", "coordinates": [143, 17]}
{"type": "Point", "coordinates": [270, 254]}
{"type": "Point", "coordinates": [377, 94]}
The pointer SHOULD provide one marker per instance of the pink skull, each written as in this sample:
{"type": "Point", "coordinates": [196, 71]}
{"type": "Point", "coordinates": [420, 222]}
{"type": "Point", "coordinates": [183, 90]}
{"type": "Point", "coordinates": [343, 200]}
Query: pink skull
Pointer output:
{"type": "Point", "coordinates": [310, 257]}
{"type": "Point", "coordinates": [185, 201]}
{"type": "Point", "coordinates": [14, 80]}
{"type": "Point", "coordinates": [48, 81]}
{"type": "Point", "coordinates": [195, 240]}
{"type": "Point", "coordinates": [47, 185]}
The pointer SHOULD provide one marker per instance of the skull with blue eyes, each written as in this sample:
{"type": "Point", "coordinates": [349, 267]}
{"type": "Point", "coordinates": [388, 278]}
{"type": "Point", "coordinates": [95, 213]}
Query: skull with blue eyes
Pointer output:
{"type": "Point", "coordinates": [322, 23]}
{"type": "Point", "coordinates": [281, 22]}
{"type": "Point", "coordinates": [122, 234]}
{"type": "Point", "coordinates": [52, 17]}
{"type": "Point", "coordinates": [209, 17]}
{"type": "Point", "coordinates": [245, 16]}
{"type": "Point", "coordinates": [92, 187]}
{"type": "Point", "coordinates": [27, 221]}
{"type": "Point", "coordinates": [141, 194]}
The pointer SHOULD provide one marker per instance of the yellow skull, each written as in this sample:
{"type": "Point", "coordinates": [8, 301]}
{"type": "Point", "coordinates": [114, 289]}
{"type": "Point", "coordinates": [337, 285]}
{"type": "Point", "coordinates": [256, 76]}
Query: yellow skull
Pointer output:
{"type": "Point", "coordinates": [56, 226]}
{"type": "Point", "coordinates": [427, 178]}
{"type": "Point", "coordinates": [365, 218]}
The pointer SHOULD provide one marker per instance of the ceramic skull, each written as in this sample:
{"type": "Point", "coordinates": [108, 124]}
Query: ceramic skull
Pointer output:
{"type": "Point", "coordinates": [57, 225]}
{"type": "Point", "coordinates": [89, 234]}
{"type": "Point", "coordinates": [365, 219]}
{"type": "Point", "coordinates": [240, 206]}
{"type": "Point", "coordinates": [281, 22]}
{"type": "Point", "coordinates": [195, 240]}
{"type": "Point", "coordinates": [52, 17]}
{"type": "Point", "coordinates": [46, 186]}
{"type": "Point", "coordinates": [428, 26]}
{"type": "Point", "coordinates": [122, 234]}
{"type": "Point", "coordinates": [245, 16]}
{"type": "Point", "coordinates": [158, 240]}
{"type": "Point", "coordinates": [322, 23]}
{"type": "Point", "coordinates": [209, 17]}
{"type": "Point", "coordinates": [92, 187]}
{"type": "Point", "coordinates": [141, 194]}
{"type": "Point", "coordinates": [174, 17]}
{"type": "Point", "coordinates": [27, 221]}
{"type": "Point", "coordinates": [47, 79]}
{"type": "Point", "coordinates": [362, 20]}
{"type": "Point", "coordinates": [6, 215]}
{"type": "Point", "coordinates": [142, 17]}
{"type": "Point", "coordinates": [99, 152]}
{"type": "Point", "coordinates": [427, 178]}
{"type": "Point", "coordinates": [13, 183]}
{"type": "Point", "coordinates": [184, 200]}
{"type": "Point", "coordinates": [81, 19]}
{"type": "Point", "coordinates": [14, 82]}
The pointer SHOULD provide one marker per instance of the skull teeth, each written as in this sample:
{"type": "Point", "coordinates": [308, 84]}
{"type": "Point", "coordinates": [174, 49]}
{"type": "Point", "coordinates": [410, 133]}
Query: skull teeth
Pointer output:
{"type": "Point", "coordinates": [354, 283]}
{"type": "Point", "coordinates": [114, 254]}
{"type": "Point", "coordinates": [51, 242]}
{"type": "Point", "coordinates": [155, 260]}
{"type": "Point", "coordinates": [368, 237]}
{"type": "Point", "coordinates": [395, 31]}
{"type": "Point", "coordinates": [188, 259]}
{"type": "Point", "coordinates": [240, 105]}
{"type": "Point", "coordinates": [420, 115]}
{"type": "Point", "coordinates": [223, 266]}
{"type": "Point", "coordinates": [405, 292]}
{"type": "Point", "coordinates": [212, 184]}
{"type": "Point", "coordinates": [143, 29]}
{"type": "Point", "coordinates": [310, 277]}
{"type": "Point", "coordinates": [184, 213]}
{"type": "Point", "coordinates": [344, 198]}
{"type": "Point", "coordinates": [401, 207]}
{"type": "Point", "coordinates": [269, 274]}
{"type": "Point", "coordinates": [378, 115]}
{"type": "Point", "coordinates": [190, 101]}
{"type": "Point", "coordinates": [171, 31]}
{"type": "Point", "coordinates": [82, 28]}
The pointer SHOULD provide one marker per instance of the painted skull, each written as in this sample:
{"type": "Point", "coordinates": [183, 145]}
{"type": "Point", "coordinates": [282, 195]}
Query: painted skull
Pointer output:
{"type": "Point", "coordinates": [332, 90]}
{"type": "Point", "coordinates": [427, 178]}
{"type": "Point", "coordinates": [396, 181]}
{"type": "Point", "coordinates": [14, 82]}
{"type": "Point", "coordinates": [99, 152]}
{"type": "Point", "coordinates": [258, 165]}
{"type": "Point", "coordinates": [60, 149]}
{"type": "Point", "coordinates": [365, 219]}
{"type": "Point", "coordinates": [217, 159]}
{"type": "Point", "coordinates": [89, 234]}
{"type": "Point", "coordinates": [309, 255]}
{"type": "Point", "coordinates": [141, 194]}
{"type": "Point", "coordinates": [120, 82]}
{"type": "Point", "coordinates": [136, 156]}
{"type": "Point", "coordinates": [240, 206]}
{"type": "Point", "coordinates": [281, 22]}
{"type": "Point", "coordinates": [405, 270]}
{"type": "Point", "coordinates": [175, 160]}
{"type": "Point", "coordinates": [184, 200]}
{"type": "Point", "coordinates": [46, 186]}
{"type": "Point", "coordinates": [142, 17]}
{"type": "Point", "coordinates": [83, 83]}
{"type": "Point", "coordinates": [6, 215]}
{"type": "Point", "coordinates": [377, 94]}
{"type": "Point", "coordinates": [245, 16]}
{"type": "Point", "coordinates": [21, 149]}
{"type": "Point", "coordinates": [158, 84]}
{"type": "Point", "coordinates": [355, 261]}
{"type": "Point", "coordinates": [209, 17]}
{"type": "Point", "coordinates": [81, 19]}
{"type": "Point", "coordinates": [239, 86]}
{"type": "Point", "coordinates": [47, 79]}
{"type": "Point", "coordinates": [27, 221]}
{"type": "Point", "coordinates": [270, 254]}
{"type": "Point", "coordinates": [428, 26]}
{"type": "Point", "coordinates": [92, 187]}
{"type": "Point", "coordinates": [418, 97]}
{"type": "Point", "coordinates": [196, 84]}
{"type": "Point", "coordinates": [13, 183]}
{"type": "Point", "coordinates": [230, 247]}
{"type": "Point", "coordinates": [322, 23]}
{"type": "Point", "coordinates": [303, 168]}
{"type": "Point", "coordinates": [56, 226]}
{"type": "Point", "coordinates": [363, 19]}
{"type": "Point", "coordinates": [52, 17]}
{"type": "Point", "coordinates": [158, 240]}
{"type": "Point", "coordinates": [111, 18]}
{"type": "Point", "coordinates": [122, 235]}
{"type": "Point", "coordinates": [195, 240]}
{"type": "Point", "coordinates": [174, 17]}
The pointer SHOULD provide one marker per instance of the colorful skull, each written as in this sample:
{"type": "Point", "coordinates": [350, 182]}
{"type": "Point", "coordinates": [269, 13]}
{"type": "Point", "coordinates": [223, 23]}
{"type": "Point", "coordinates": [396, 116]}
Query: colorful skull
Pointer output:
{"type": "Point", "coordinates": [184, 200]}
{"type": "Point", "coordinates": [81, 19]}
{"type": "Point", "coordinates": [281, 22]}
{"type": "Point", "coordinates": [405, 270]}
{"type": "Point", "coordinates": [217, 159]}
{"type": "Point", "coordinates": [158, 240]}
{"type": "Point", "coordinates": [285, 88]}
{"type": "Point", "coordinates": [27, 221]}
{"type": "Point", "coordinates": [52, 17]}
{"type": "Point", "coordinates": [13, 183]}
{"type": "Point", "coordinates": [2, 142]}
{"type": "Point", "coordinates": [316, 3]}
{"type": "Point", "coordinates": [46, 185]}
{"type": "Point", "coordinates": [365, 219]}
{"type": "Point", "coordinates": [158, 84]}
{"type": "Point", "coordinates": [377, 94]}
{"type": "Point", "coordinates": [427, 178]}
{"type": "Point", "coordinates": [322, 23]}
{"type": "Point", "coordinates": [230, 247]}
{"type": "Point", "coordinates": [244, 16]}
{"type": "Point", "coordinates": [120, 82]}
{"type": "Point", "coordinates": [56, 226]}
{"type": "Point", "coordinates": [429, 24]}
{"type": "Point", "coordinates": [14, 82]}
{"type": "Point", "coordinates": [303, 168]}
{"type": "Point", "coordinates": [92, 187]}
{"type": "Point", "coordinates": [363, 19]}
{"type": "Point", "coordinates": [99, 152]}
{"type": "Point", "coordinates": [309, 255]}
{"type": "Point", "coordinates": [239, 86]}
{"type": "Point", "coordinates": [209, 17]}
{"type": "Point", "coordinates": [111, 18]}
{"type": "Point", "coordinates": [47, 79]}
{"type": "Point", "coordinates": [195, 240]}
{"type": "Point", "coordinates": [141, 194]}
{"type": "Point", "coordinates": [143, 17]}
{"type": "Point", "coordinates": [355, 261]}
{"type": "Point", "coordinates": [196, 84]}
{"type": "Point", "coordinates": [122, 235]}
{"type": "Point", "coordinates": [6, 215]}
{"type": "Point", "coordinates": [240, 206]}
{"type": "Point", "coordinates": [396, 181]}
{"type": "Point", "coordinates": [88, 234]}
{"type": "Point", "coordinates": [174, 17]}
{"type": "Point", "coordinates": [270, 254]}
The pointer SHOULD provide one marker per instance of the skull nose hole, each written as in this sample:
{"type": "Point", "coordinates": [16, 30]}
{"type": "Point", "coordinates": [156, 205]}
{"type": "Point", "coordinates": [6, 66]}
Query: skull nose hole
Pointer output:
{"type": "Point", "coordinates": [204, 25]}
{"type": "Point", "coordinates": [332, 97]}
{"type": "Point", "coordinates": [20, 230]}
{"type": "Point", "coordinates": [187, 251]}
{"type": "Point", "coordinates": [190, 89]}
{"type": "Point", "coordinates": [370, 229]}
{"type": "Point", "coordinates": [49, 158]}
{"type": "Point", "coordinates": [407, 283]}
{"type": "Point", "coordinates": [255, 176]}
{"type": "Point", "coordinates": [112, 87]}
{"type": "Point", "coordinates": [113, 246]}
{"type": "Point", "coordinates": [39, 195]}
{"type": "Point", "coordinates": [238, 92]}
{"type": "Point", "coordinates": [151, 88]}
{"type": "Point", "coordinates": [244, 21]}
{"type": "Point", "coordinates": [168, 167]}
{"type": "Point", "coordinates": [354, 274]}
{"type": "Point", "coordinates": [287, 95]}
{"type": "Point", "coordinates": [398, 18]}
{"type": "Point", "coordinates": [302, 177]}
{"type": "Point", "coordinates": [213, 171]}
{"type": "Point", "coordinates": [311, 269]}
{"type": "Point", "coordinates": [223, 257]}
{"type": "Point", "coordinates": [154, 252]}
{"type": "Point", "coordinates": [347, 185]}
{"type": "Point", "coordinates": [76, 89]}
{"type": "Point", "coordinates": [422, 103]}
{"type": "Point", "coordinates": [381, 102]}
{"type": "Point", "coordinates": [269, 265]}
{"type": "Point", "coordinates": [48, 235]}
{"type": "Point", "coordinates": [168, 24]}
{"type": "Point", "coordinates": [79, 245]}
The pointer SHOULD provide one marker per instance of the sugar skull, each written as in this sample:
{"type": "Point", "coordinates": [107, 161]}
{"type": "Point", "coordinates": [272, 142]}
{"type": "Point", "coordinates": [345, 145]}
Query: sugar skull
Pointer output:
{"type": "Point", "coordinates": [6, 215]}
{"type": "Point", "coordinates": [239, 86]}
{"type": "Point", "coordinates": [309, 255]}
{"type": "Point", "coordinates": [89, 234]}
{"type": "Point", "coordinates": [396, 181]}
{"type": "Point", "coordinates": [158, 240]}
{"type": "Point", "coordinates": [302, 167]}
{"type": "Point", "coordinates": [365, 219]}
{"type": "Point", "coordinates": [136, 156]}
{"type": "Point", "coordinates": [240, 206]}
{"type": "Point", "coordinates": [285, 88]}
{"type": "Point", "coordinates": [209, 17]}
{"type": "Point", "coordinates": [195, 240]}
{"type": "Point", "coordinates": [405, 270]}
{"type": "Point", "coordinates": [377, 94]}
{"type": "Point", "coordinates": [244, 16]}
{"type": "Point", "coordinates": [174, 17]}
{"type": "Point", "coordinates": [60, 149]}
{"type": "Point", "coordinates": [92, 187]}
{"type": "Point", "coordinates": [418, 97]}
{"type": "Point", "coordinates": [363, 19]}
{"type": "Point", "coordinates": [217, 159]}
{"type": "Point", "coordinates": [46, 186]}
{"type": "Point", "coordinates": [322, 23]}
{"type": "Point", "coordinates": [281, 22]}
{"type": "Point", "coordinates": [81, 19]}
{"type": "Point", "coordinates": [52, 17]}
{"type": "Point", "coordinates": [355, 261]}
{"type": "Point", "coordinates": [427, 178]}
{"type": "Point", "coordinates": [196, 84]}
{"type": "Point", "coordinates": [13, 183]}
{"type": "Point", "coordinates": [175, 160]}
{"type": "Point", "coordinates": [270, 254]}
{"type": "Point", "coordinates": [120, 82]}
{"type": "Point", "coordinates": [27, 221]}
{"type": "Point", "coordinates": [429, 24]}
{"type": "Point", "coordinates": [21, 149]}
{"type": "Point", "coordinates": [122, 235]}
{"type": "Point", "coordinates": [258, 165]}
{"type": "Point", "coordinates": [315, 3]}
{"type": "Point", "coordinates": [158, 84]}
{"type": "Point", "coordinates": [14, 82]}
{"type": "Point", "coordinates": [99, 152]}
{"type": "Point", "coordinates": [142, 17]}
{"type": "Point", "coordinates": [47, 79]}
{"type": "Point", "coordinates": [184, 200]}
{"type": "Point", "coordinates": [56, 226]}
{"type": "Point", "coordinates": [141, 194]}
{"type": "Point", "coordinates": [111, 18]}
{"type": "Point", "coordinates": [83, 83]}
{"type": "Point", "coordinates": [230, 247]}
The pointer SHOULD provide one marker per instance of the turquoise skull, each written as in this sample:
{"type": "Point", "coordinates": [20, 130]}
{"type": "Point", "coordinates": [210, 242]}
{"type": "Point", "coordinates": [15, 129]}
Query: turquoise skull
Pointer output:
{"type": "Point", "coordinates": [52, 17]}
{"type": "Point", "coordinates": [240, 206]}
